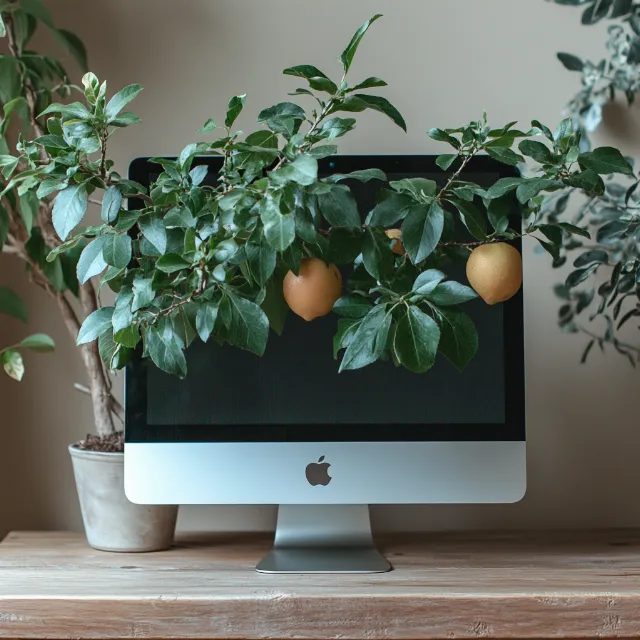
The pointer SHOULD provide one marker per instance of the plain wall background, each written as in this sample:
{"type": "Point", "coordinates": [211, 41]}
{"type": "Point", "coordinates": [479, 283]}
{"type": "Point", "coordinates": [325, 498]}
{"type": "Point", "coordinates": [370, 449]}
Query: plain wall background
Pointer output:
{"type": "Point", "coordinates": [445, 61]}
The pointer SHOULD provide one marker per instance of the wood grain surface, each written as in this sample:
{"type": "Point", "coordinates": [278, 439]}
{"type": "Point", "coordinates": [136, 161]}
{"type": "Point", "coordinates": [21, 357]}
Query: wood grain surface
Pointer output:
{"type": "Point", "coordinates": [500, 585]}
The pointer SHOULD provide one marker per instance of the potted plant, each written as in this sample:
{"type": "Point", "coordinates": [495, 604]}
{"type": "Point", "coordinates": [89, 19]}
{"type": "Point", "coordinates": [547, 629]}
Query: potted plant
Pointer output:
{"type": "Point", "coordinates": [600, 296]}
{"type": "Point", "coordinates": [28, 83]}
{"type": "Point", "coordinates": [12, 305]}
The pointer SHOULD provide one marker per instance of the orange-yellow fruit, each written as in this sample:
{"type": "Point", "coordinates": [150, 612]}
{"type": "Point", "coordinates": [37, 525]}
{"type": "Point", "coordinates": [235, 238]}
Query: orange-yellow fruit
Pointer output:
{"type": "Point", "coordinates": [398, 247]}
{"type": "Point", "coordinates": [494, 271]}
{"type": "Point", "coordinates": [312, 293]}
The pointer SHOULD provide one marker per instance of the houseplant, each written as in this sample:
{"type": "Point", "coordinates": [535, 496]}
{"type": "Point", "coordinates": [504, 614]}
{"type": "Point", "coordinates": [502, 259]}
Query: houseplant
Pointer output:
{"type": "Point", "coordinates": [28, 82]}
{"type": "Point", "coordinates": [10, 355]}
{"type": "Point", "coordinates": [600, 296]}
{"type": "Point", "coordinates": [220, 261]}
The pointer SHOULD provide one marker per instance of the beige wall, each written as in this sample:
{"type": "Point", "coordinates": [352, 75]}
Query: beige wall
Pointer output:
{"type": "Point", "coordinates": [446, 61]}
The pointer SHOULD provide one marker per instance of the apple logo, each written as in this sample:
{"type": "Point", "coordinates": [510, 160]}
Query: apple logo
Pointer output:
{"type": "Point", "coordinates": [317, 473]}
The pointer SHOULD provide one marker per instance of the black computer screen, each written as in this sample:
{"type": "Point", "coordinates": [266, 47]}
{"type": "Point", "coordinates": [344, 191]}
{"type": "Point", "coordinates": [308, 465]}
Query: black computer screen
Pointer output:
{"type": "Point", "coordinates": [296, 392]}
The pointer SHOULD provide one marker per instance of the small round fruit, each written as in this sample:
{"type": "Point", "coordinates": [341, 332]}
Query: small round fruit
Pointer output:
{"type": "Point", "coordinates": [312, 293]}
{"type": "Point", "coordinates": [494, 271]}
{"type": "Point", "coordinates": [398, 247]}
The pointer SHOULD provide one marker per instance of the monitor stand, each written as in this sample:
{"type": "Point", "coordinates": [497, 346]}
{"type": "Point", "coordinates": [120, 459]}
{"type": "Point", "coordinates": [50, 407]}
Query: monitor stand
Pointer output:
{"type": "Point", "coordinates": [323, 539]}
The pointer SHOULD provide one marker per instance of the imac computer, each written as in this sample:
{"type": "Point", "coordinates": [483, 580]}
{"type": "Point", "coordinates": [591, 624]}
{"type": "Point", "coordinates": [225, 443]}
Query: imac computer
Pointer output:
{"type": "Point", "coordinates": [287, 429]}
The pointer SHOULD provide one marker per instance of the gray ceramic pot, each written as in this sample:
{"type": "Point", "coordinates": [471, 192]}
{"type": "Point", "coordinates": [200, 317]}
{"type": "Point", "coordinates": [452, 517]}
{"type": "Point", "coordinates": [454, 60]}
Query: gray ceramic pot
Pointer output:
{"type": "Point", "coordinates": [111, 522]}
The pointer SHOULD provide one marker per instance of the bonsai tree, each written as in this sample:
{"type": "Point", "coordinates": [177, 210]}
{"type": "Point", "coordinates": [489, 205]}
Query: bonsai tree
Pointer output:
{"type": "Point", "coordinates": [224, 259]}
{"type": "Point", "coordinates": [12, 305]}
{"type": "Point", "coordinates": [29, 81]}
{"type": "Point", "coordinates": [594, 306]}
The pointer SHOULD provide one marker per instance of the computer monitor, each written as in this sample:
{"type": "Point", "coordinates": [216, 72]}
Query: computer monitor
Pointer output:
{"type": "Point", "coordinates": [288, 429]}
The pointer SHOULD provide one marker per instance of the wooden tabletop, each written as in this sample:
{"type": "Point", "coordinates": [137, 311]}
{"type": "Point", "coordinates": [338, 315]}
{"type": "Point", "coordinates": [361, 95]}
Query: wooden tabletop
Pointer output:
{"type": "Point", "coordinates": [501, 585]}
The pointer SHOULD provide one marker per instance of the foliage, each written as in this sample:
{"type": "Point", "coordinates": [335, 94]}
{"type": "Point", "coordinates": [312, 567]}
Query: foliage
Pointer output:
{"type": "Point", "coordinates": [29, 83]}
{"type": "Point", "coordinates": [12, 305]}
{"type": "Point", "coordinates": [603, 285]}
{"type": "Point", "coordinates": [206, 259]}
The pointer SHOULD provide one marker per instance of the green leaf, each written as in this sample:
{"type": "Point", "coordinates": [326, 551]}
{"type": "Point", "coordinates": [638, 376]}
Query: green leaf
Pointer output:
{"type": "Point", "coordinates": [459, 337]}
{"type": "Point", "coordinates": [577, 277]}
{"type": "Point", "coordinates": [588, 181]}
{"type": "Point", "coordinates": [143, 293]}
{"type": "Point", "coordinates": [352, 47]}
{"type": "Point", "coordinates": [504, 155]}
{"type": "Point", "coordinates": [172, 262]}
{"type": "Point", "coordinates": [536, 150]}
{"type": "Point", "coordinates": [236, 104]}
{"type": "Point", "coordinates": [352, 306]}
{"type": "Point", "coordinates": [198, 174]}
{"type": "Point", "coordinates": [306, 71]}
{"type": "Point", "coordinates": [122, 316]}
{"type": "Point", "coordinates": [262, 261]}
{"type": "Point", "coordinates": [427, 281]}
{"type": "Point", "coordinates": [38, 342]}
{"type": "Point", "coordinates": [3, 28]}
{"type": "Point", "coordinates": [29, 205]}
{"type": "Point", "coordinates": [589, 257]}
{"type": "Point", "coordinates": [182, 325]}
{"type": "Point", "coordinates": [13, 364]}
{"type": "Point", "coordinates": [165, 351]}
{"type": "Point", "coordinates": [249, 327]}
{"type": "Point", "coordinates": [111, 204]}
{"type": "Point", "coordinates": [323, 151]}
{"type": "Point", "coordinates": [442, 136]}
{"type": "Point", "coordinates": [369, 341]}
{"type": "Point", "coordinates": [209, 126]}
{"type": "Point", "coordinates": [531, 187]}
{"type": "Point", "coordinates": [604, 161]}
{"type": "Point", "coordinates": [125, 119]}
{"type": "Point", "coordinates": [471, 218]}
{"type": "Point", "coordinates": [11, 304]}
{"type": "Point", "coordinates": [503, 186]}
{"type": "Point", "coordinates": [282, 109]}
{"type": "Point", "coordinates": [369, 83]}
{"type": "Point", "coordinates": [422, 230]}
{"type": "Point", "coordinates": [8, 164]}
{"type": "Point", "coordinates": [343, 337]}
{"type": "Point", "coordinates": [206, 319]}
{"type": "Point", "coordinates": [363, 175]}
{"type": "Point", "coordinates": [154, 231]}
{"type": "Point", "coordinates": [95, 325]}
{"type": "Point", "coordinates": [73, 45]}
{"type": "Point", "coordinates": [275, 306]}
{"type": "Point", "coordinates": [339, 208]}
{"type": "Point", "coordinates": [416, 340]}
{"type": "Point", "coordinates": [91, 261]}
{"type": "Point", "coordinates": [575, 230]}
{"type": "Point", "coordinates": [279, 229]}
{"type": "Point", "coordinates": [303, 171]}
{"type": "Point", "coordinates": [69, 208]}
{"type": "Point", "coordinates": [451, 293]}
{"type": "Point", "coordinates": [38, 10]}
{"type": "Point", "coordinates": [419, 188]}
{"type": "Point", "coordinates": [391, 208]}
{"type": "Point", "coordinates": [74, 110]}
{"type": "Point", "coordinates": [376, 254]}
{"type": "Point", "coordinates": [571, 62]}
{"type": "Point", "coordinates": [335, 128]}
{"type": "Point", "coordinates": [323, 84]}
{"type": "Point", "coordinates": [378, 103]}
{"type": "Point", "coordinates": [446, 160]}
{"type": "Point", "coordinates": [116, 250]}
{"type": "Point", "coordinates": [121, 100]}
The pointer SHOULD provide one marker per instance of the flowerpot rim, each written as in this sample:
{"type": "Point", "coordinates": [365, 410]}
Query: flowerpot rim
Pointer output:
{"type": "Point", "coordinates": [104, 456]}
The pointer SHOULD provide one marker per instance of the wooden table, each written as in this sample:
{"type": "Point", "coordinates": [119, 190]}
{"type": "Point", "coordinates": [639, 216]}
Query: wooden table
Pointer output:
{"type": "Point", "coordinates": [503, 585]}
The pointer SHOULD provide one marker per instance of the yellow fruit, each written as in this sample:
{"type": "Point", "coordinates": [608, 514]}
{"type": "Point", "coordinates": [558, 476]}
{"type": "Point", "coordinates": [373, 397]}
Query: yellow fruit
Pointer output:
{"type": "Point", "coordinates": [398, 247]}
{"type": "Point", "coordinates": [494, 271]}
{"type": "Point", "coordinates": [312, 293]}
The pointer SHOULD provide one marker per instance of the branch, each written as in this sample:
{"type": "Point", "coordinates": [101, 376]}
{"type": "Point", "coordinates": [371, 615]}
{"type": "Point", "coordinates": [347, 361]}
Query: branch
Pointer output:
{"type": "Point", "coordinates": [116, 407]}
